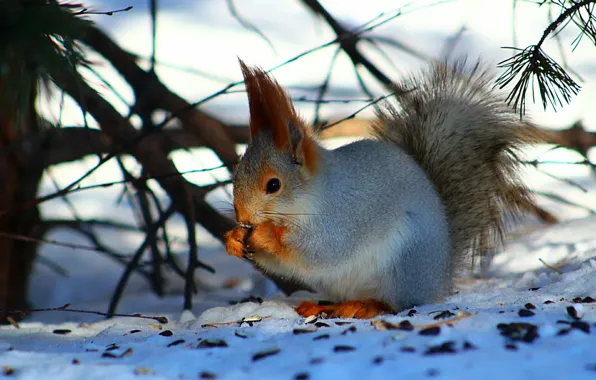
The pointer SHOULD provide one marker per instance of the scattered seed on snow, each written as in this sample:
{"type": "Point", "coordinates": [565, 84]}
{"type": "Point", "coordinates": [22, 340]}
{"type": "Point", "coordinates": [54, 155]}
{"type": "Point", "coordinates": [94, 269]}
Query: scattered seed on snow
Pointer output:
{"type": "Point", "coordinates": [134, 331]}
{"type": "Point", "coordinates": [305, 330]}
{"type": "Point", "coordinates": [407, 349]}
{"type": "Point", "coordinates": [444, 314]}
{"type": "Point", "coordinates": [320, 337]}
{"type": "Point", "coordinates": [444, 348]}
{"type": "Point", "coordinates": [548, 302]}
{"type": "Point", "coordinates": [207, 375]}
{"type": "Point", "coordinates": [378, 360]}
{"type": "Point", "coordinates": [430, 331]}
{"type": "Point", "coordinates": [587, 299]}
{"type": "Point", "coordinates": [76, 361]}
{"type": "Point", "coordinates": [240, 334]}
{"type": "Point", "coordinates": [412, 312]}
{"type": "Point", "coordinates": [351, 329]}
{"type": "Point", "coordinates": [468, 346]}
{"type": "Point", "coordinates": [314, 361]}
{"type": "Point", "coordinates": [311, 319]}
{"type": "Point", "coordinates": [405, 325]}
{"type": "Point", "coordinates": [166, 333]}
{"type": "Point", "coordinates": [302, 376]}
{"type": "Point", "coordinates": [111, 355]}
{"type": "Point", "coordinates": [511, 347]}
{"type": "Point", "coordinates": [7, 371]}
{"type": "Point", "coordinates": [253, 318]}
{"type": "Point", "coordinates": [530, 306]}
{"type": "Point", "coordinates": [62, 331]}
{"type": "Point", "coordinates": [143, 371]}
{"type": "Point", "coordinates": [572, 311]}
{"type": "Point", "coordinates": [176, 342]}
{"type": "Point", "coordinates": [525, 332]}
{"type": "Point", "coordinates": [382, 325]}
{"type": "Point", "coordinates": [525, 313]}
{"type": "Point", "coordinates": [341, 323]}
{"type": "Point", "coordinates": [212, 343]}
{"type": "Point", "coordinates": [343, 348]}
{"type": "Point", "coordinates": [321, 324]}
{"type": "Point", "coordinates": [265, 354]}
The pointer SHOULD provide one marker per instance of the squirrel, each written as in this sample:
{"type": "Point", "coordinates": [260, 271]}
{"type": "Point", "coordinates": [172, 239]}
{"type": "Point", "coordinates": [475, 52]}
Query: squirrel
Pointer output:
{"type": "Point", "coordinates": [383, 224]}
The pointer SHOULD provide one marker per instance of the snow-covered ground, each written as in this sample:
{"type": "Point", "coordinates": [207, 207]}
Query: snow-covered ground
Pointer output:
{"type": "Point", "coordinates": [528, 315]}
{"type": "Point", "coordinates": [523, 321]}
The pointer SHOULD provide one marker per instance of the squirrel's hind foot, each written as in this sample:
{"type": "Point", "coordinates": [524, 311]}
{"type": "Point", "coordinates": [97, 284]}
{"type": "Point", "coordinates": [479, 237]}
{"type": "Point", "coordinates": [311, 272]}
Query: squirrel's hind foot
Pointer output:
{"type": "Point", "coordinates": [350, 309]}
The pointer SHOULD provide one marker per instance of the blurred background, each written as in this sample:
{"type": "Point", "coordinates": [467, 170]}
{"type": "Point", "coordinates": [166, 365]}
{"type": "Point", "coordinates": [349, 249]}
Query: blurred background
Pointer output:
{"type": "Point", "coordinates": [121, 120]}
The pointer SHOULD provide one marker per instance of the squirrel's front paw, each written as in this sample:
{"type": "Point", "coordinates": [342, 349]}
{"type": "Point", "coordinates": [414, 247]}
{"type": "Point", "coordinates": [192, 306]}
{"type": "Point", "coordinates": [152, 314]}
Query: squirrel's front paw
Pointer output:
{"type": "Point", "coordinates": [267, 237]}
{"type": "Point", "coordinates": [235, 241]}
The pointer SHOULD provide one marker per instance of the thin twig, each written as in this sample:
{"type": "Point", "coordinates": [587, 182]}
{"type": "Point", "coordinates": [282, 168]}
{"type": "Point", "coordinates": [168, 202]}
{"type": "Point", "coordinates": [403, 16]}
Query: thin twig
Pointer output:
{"type": "Point", "coordinates": [461, 315]}
{"type": "Point", "coordinates": [353, 115]}
{"type": "Point", "coordinates": [247, 24]}
{"type": "Point", "coordinates": [551, 267]}
{"type": "Point", "coordinates": [86, 11]}
{"type": "Point", "coordinates": [322, 90]}
{"type": "Point", "coordinates": [153, 10]}
{"type": "Point", "coordinates": [22, 313]}
{"type": "Point", "coordinates": [134, 261]}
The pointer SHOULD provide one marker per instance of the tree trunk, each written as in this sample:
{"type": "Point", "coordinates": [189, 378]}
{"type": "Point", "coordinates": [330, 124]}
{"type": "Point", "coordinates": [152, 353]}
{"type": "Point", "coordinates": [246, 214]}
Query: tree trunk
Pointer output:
{"type": "Point", "coordinates": [18, 185]}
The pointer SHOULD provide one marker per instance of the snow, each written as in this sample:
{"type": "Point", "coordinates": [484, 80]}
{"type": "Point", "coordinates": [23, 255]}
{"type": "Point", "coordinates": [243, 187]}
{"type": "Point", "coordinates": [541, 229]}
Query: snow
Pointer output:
{"type": "Point", "coordinates": [547, 267]}
{"type": "Point", "coordinates": [269, 340]}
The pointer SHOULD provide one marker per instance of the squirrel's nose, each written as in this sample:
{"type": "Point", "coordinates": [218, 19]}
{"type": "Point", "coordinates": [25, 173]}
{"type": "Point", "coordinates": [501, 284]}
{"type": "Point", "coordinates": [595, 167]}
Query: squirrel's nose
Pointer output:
{"type": "Point", "coordinates": [242, 214]}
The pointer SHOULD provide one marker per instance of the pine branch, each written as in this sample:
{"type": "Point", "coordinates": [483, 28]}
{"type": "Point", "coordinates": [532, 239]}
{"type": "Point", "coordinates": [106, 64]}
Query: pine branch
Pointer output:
{"type": "Point", "coordinates": [533, 67]}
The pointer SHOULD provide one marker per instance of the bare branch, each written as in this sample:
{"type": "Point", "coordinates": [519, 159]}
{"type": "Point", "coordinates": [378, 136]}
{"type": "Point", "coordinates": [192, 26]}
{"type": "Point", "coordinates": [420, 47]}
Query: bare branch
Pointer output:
{"type": "Point", "coordinates": [348, 42]}
{"type": "Point", "coordinates": [148, 152]}
{"type": "Point", "coordinates": [150, 90]}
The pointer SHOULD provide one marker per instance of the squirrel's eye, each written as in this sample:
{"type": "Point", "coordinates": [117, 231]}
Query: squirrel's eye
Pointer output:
{"type": "Point", "coordinates": [273, 186]}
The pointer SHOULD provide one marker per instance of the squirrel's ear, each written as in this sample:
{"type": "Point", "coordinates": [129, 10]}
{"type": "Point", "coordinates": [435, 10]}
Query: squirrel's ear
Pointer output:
{"type": "Point", "coordinates": [271, 109]}
{"type": "Point", "coordinates": [302, 146]}
{"type": "Point", "coordinates": [269, 105]}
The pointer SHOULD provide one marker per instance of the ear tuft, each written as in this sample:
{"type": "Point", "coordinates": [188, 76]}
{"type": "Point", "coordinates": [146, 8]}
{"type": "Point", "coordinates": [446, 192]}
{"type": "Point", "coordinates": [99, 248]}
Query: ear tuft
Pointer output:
{"type": "Point", "coordinates": [270, 107]}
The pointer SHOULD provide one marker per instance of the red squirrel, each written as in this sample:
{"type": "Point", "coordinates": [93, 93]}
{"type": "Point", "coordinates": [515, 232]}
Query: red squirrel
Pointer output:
{"type": "Point", "coordinates": [382, 224]}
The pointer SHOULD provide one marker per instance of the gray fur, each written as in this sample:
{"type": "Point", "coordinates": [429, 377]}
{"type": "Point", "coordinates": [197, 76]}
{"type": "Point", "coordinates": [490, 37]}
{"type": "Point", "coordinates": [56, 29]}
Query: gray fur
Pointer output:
{"type": "Point", "coordinates": [365, 192]}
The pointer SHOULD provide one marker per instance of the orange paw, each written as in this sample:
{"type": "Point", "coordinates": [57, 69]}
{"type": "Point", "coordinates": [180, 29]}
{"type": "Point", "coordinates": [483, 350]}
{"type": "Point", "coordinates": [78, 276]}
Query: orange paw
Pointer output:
{"type": "Point", "coordinates": [235, 241]}
{"type": "Point", "coordinates": [308, 309]}
{"type": "Point", "coordinates": [267, 237]}
{"type": "Point", "coordinates": [350, 309]}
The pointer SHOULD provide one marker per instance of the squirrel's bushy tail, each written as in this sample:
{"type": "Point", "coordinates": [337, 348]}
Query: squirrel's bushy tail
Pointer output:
{"type": "Point", "coordinates": [466, 139]}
